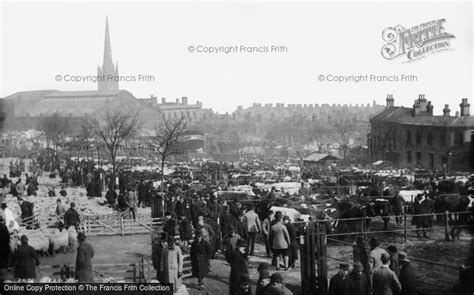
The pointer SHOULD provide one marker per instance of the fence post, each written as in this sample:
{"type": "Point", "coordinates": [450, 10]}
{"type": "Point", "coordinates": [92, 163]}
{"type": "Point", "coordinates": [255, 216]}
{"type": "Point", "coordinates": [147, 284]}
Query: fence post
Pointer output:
{"type": "Point", "coordinates": [121, 225]}
{"type": "Point", "coordinates": [362, 227]}
{"type": "Point", "coordinates": [446, 226]}
{"type": "Point", "coordinates": [405, 227]}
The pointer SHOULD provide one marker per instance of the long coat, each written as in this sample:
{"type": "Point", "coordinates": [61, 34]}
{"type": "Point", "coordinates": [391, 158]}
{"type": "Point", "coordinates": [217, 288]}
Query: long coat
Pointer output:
{"type": "Point", "coordinates": [170, 265]}
{"type": "Point", "coordinates": [279, 238]}
{"type": "Point", "coordinates": [337, 285]}
{"type": "Point", "coordinates": [26, 209]}
{"type": "Point", "coordinates": [71, 217]}
{"type": "Point", "coordinates": [357, 284]}
{"type": "Point", "coordinates": [25, 261]}
{"type": "Point", "coordinates": [238, 267]}
{"type": "Point", "coordinates": [293, 253]}
{"type": "Point", "coordinates": [4, 246]}
{"type": "Point", "coordinates": [200, 258]}
{"type": "Point", "coordinates": [156, 255]}
{"type": "Point", "coordinates": [408, 279]}
{"type": "Point", "coordinates": [85, 252]}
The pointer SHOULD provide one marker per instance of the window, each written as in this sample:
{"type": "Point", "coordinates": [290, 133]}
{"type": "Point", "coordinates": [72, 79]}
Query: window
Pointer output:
{"type": "Point", "coordinates": [430, 139]}
{"type": "Point", "coordinates": [459, 139]}
{"type": "Point", "coordinates": [418, 137]}
{"type": "Point", "coordinates": [409, 159]}
{"type": "Point", "coordinates": [408, 137]}
{"type": "Point", "coordinates": [442, 139]}
{"type": "Point", "coordinates": [418, 158]}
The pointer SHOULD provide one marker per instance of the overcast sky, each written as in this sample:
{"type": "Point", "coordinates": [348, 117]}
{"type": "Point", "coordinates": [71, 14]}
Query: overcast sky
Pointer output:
{"type": "Point", "coordinates": [41, 40]}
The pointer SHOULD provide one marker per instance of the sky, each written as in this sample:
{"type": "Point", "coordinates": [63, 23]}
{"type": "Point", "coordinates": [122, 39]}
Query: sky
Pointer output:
{"type": "Point", "coordinates": [161, 45]}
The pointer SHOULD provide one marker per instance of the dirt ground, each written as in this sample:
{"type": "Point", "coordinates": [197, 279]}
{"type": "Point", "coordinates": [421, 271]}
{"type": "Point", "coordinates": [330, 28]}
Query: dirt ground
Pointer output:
{"type": "Point", "coordinates": [432, 279]}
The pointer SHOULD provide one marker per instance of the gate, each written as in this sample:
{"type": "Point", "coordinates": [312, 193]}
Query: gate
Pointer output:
{"type": "Point", "coordinates": [313, 259]}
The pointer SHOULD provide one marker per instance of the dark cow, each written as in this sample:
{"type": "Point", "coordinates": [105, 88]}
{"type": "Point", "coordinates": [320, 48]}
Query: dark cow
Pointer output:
{"type": "Point", "coordinates": [381, 207]}
{"type": "Point", "coordinates": [351, 210]}
{"type": "Point", "coordinates": [452, 203]}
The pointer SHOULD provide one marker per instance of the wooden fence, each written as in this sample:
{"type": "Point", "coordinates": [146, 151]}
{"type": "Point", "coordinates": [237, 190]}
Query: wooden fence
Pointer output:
{"type": "Point", "coordinates": [119, 224]}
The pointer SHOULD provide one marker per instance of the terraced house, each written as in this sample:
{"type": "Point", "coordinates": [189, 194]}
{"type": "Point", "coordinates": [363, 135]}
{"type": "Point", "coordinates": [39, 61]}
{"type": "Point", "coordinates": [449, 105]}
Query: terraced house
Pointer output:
{"type": "Point", "coordinates": [414, 137]}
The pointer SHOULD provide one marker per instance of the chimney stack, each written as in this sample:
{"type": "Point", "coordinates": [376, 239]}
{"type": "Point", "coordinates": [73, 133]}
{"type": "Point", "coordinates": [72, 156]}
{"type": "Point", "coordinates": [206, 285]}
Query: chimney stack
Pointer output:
{"type": "Point", "coordinates": [163, 100]}
{"type": "Point", "coordinates": [465, 108]}
{"type": "Point", "coordinates": [184, 100]}
{"type": "Point", "coordinates": [446, 111]}
{"type": "Point", "coordinates": [429, 108]}
{"type": "Point", "coordinates": [457, 114]}
{"type": "Point", "coordinates": [390, 101]}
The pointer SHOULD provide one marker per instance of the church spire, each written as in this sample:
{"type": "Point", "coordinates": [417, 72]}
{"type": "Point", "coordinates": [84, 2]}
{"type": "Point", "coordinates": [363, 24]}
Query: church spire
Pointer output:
{"type": "Point", "coordinates": [107, 46]}
{"type": "Point", "coordinates": [109, 73]}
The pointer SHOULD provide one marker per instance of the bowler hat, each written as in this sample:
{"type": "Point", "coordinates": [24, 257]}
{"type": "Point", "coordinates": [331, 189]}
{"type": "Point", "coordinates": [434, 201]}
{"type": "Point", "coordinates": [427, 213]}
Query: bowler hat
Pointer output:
{"type": "Point", "coordinates": [276, 278]}
{"type": "Point", "coordinates": [344, 266]}
{"type": "Point", "coordinates": [264, 274]}
{"type": "Point", "coordinates": [402, 256]}
{"type": "Point", "coordinates": [81, 236]}
{"type": "Point", "coordinates": [263, 266]}
{"type": "Point", "coordinates": [286, 217]}
{"type": "Point", "coordinates": [24, 238]}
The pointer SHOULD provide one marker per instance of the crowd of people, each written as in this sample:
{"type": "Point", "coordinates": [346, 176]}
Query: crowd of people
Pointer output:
{"type": "Point", "coordinates": [377, 271]}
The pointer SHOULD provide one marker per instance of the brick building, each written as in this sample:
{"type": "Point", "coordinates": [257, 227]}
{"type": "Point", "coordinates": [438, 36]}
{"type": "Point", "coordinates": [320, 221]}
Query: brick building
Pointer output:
{"type": "Point", "coordinates": [414, 137]}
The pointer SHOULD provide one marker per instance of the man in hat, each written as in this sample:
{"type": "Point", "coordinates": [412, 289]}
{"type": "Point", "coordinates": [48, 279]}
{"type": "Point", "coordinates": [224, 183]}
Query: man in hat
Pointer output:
{"type": "Point", "coordinates": [172, 264]}
{"type": "Point", "coordinates": [407, 275]}
{"type": "Point", "coordinates": [277, 286]}
{"type": "Point", "coordinates": [85, 252]}
{"type": "Point", "coordinates": [357, 281]}
{"type": "Point", "coordinates": [60, 210]}
{"type": "Point", "coordinates": [158, 247]}
{"type": "Point", "coordinates": [266, 225]}
{"type": "Point", "coordinates": [232, 243]}
{"type": "Point", "coordinates": [384, 280]}
{"type": "Point", "coordinates": [200, 258]}
{"type": "Point", "coordinates": [238, 266]}
{"type": "Point", "coordinates": [26, 211]}
{"type": "Point", "coordinates": [338, 283]}
{"type": "Point", "coordinates": [263, 278]}
{"type": "Point", "coordinates": [360, 253]}
{"type": "Point", "coordinates": [170, 224]}
{"type": "Point", "coordinates": [25, 260]}
{"type": "Point", "coordinates": [293, 247]}
{"type": "Point", "coordinates": [71, 217]}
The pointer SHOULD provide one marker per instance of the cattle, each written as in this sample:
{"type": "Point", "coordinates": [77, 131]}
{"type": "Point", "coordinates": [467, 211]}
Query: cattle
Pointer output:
{"type": "Point", "coordinates": [452, 203]}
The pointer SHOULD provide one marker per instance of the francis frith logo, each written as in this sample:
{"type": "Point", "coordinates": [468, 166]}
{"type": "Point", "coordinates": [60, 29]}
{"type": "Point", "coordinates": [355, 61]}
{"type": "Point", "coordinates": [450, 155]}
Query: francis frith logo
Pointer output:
{"type": "Point", "coordinates": [416, 42]}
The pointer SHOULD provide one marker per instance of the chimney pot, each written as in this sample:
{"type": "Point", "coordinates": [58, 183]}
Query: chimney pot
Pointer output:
{"type": "Point", "coordinates": [465, 107]}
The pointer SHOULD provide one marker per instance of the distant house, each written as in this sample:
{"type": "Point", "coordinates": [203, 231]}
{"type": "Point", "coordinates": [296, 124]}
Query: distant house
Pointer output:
{"type": "Point", "coordinates": [318, 159]}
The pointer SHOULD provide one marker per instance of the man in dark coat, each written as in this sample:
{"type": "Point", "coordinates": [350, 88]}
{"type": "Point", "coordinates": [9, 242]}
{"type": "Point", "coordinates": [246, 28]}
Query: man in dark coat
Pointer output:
{"type": "Point", "coordinates": [156, 254]}
{"type": "Point", "coordinates": [111, 196]}
{"type": "Point", "coordinates": [360, 253]}
{"type": "Point", "coordinates": [4, 244]}
{"type": "Point", "coordinates": [338, 283]}
{"type": "Point", "coordinates": [398, 202]}
{"type": "Point", "coordinates": [200, 258]}
{"type": "Point", "coordinates": [293, 248]}
{"type": "Point", "coordinates": [71, 217]}
{"type": "Point", "coordinates": [185, 230]}
{"type": "Point", "coordinates": [25, 260]}
{"type": "Point", "coordinates": [238, 267]}
{"type": "Point", "coordinates": [357, 281]}
{"type": "Point", "coordinates": [170, 225]}
{"type": "Point", "coordinates": [85, 252]}
{"type": "Point", "coordinates": [26, 210]}
{"type": "Point", "coordinates": [407, 275]}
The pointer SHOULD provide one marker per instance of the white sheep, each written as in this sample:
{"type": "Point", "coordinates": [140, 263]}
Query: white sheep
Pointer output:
{"type": "Point", "coordinates": [73, 243]}
{"type": "Point", "coordinates": [59, 241]}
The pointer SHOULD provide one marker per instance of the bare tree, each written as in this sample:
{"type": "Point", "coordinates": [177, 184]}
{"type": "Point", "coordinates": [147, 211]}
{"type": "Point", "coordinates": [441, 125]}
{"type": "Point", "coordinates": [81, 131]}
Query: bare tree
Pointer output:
{"type": "Point", "coordinates": [55, 128]}
{"type": "Point", "coordinates": [342, 132]}
{"type": "Point", "coordinates": [113, 128]}
{"type": "Point", "coordinates": [167, 140]}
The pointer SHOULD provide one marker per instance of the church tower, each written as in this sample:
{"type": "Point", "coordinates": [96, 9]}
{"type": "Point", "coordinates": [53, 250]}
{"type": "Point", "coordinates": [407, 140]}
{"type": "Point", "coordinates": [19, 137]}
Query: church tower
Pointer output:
{"type": "Point", "coordinates": [108, 75]}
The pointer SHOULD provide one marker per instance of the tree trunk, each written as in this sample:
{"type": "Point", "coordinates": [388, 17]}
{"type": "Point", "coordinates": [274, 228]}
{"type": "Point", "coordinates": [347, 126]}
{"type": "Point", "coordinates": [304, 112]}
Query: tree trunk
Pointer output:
{"type": "Point", "coordinates": [112, 155]}
{"type": "Point", "coordinates": [162, 173]}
